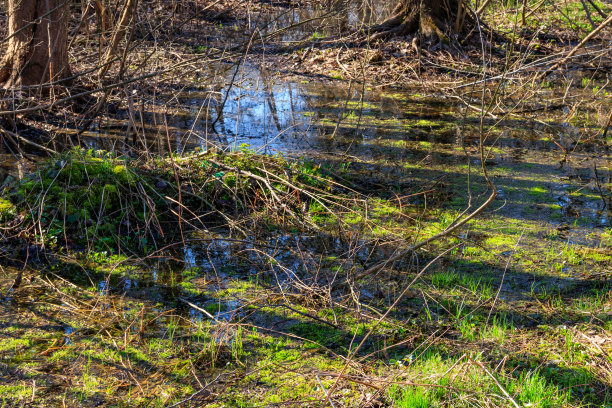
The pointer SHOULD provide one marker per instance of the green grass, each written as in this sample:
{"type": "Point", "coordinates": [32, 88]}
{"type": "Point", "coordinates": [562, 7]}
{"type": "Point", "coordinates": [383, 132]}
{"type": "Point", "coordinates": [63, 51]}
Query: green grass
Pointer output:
{"type": "Point", "coordinates": [497, 330]}
{"type": "Point", "coordinates": [533, 390]}
{"type": "Point", "coordinates": [411, 397]}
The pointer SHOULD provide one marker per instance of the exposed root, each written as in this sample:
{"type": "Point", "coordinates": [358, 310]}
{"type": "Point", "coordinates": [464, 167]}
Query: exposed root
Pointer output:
{"type": "Point", "coordinates": [410, 18]}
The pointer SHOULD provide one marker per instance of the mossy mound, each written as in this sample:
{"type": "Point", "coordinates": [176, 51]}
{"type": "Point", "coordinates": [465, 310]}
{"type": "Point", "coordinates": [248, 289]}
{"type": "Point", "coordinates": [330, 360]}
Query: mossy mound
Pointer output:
{"type": "Point", "coordinates": [95, 200]}
{"type": "Point", "coordinates": [82, 198]}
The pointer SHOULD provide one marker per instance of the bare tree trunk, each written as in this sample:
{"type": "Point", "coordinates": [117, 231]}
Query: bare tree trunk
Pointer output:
{"type": "Point", "coordinates": [37, 52]}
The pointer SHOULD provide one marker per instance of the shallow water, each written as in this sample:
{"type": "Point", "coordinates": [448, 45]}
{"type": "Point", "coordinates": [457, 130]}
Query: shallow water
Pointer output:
{"type": "Point", "coordinates": [389, 142]}
{"type": "Point", "coordinates": [548, 178]}
{"type": "Point", "coordinates": [544, 167]}
{"type": "Point", "coordinates": [396, 142]}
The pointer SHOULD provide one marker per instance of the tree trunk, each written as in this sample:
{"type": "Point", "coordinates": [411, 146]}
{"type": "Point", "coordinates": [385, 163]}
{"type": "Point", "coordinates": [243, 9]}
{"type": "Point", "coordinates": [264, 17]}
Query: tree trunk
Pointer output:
{"type": "Point", "coordinates": [37, 52]}
{"type": "Point", "coordinates": [429, 18]}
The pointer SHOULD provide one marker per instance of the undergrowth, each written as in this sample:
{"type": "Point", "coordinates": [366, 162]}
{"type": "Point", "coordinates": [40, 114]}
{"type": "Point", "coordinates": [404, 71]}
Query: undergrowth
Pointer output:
{"type": "Point", "coordinates": [96, 200]}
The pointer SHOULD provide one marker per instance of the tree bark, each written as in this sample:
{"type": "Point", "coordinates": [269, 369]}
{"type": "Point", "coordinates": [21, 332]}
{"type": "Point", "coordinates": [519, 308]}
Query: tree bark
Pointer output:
{"type": "Point", "coordinates": [429, 18]}
{"type": "Point", "coordinates": [37, 52]}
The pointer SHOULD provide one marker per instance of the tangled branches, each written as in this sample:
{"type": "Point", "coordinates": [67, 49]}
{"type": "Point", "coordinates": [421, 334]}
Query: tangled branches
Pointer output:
{"type": "Point", "coordinates": [95, 199]}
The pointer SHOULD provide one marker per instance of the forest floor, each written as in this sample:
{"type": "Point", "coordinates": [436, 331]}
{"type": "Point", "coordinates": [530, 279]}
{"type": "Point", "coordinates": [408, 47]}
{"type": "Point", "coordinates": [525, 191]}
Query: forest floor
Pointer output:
{"type": "Point", "coordinates": [237, 277]}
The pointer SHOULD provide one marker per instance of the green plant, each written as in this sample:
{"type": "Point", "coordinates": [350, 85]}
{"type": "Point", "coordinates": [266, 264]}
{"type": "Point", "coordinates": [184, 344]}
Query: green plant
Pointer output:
{"type": "Point", "coordinates": [533, 390]}
{"type": "Point", "coordinates": [497, 329]}
{"type": "Point", "coordinates": [411, 397]}
{"type": "Point", "coordinates": [444, 279]}
{"type": "Point", "coordinates": [585, 82]}
{"type": "Point", "coordinates": [237, 347]}
{"type": "Point", "coordinates": [318, 35]}
{"type": "Point", "coordinates": [468, 328]}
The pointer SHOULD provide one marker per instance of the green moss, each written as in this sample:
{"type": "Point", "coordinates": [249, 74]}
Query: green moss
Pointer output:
{"type": "Point", "coordinates": [17, 392]}
{"type": "Point", "coordinates": [402, 144]}
{"type": "Point", "coordinates": [122, 174]}
{"type": "Point", "coordinates": [539, 192]}
{"type": "Point", "coordinates": [426, 123]}
{"type": "Point", "coordinates": [403, 97]}
{"type": "Point", "coordinates": [501, 241]}
{"type": "Point", "coordinates": [8, 345]}
{"type": "Point", "coordinates": [7, 209]}
{"type": "Point", "coordinates": [352, 105]}
{"type": "Point", "coordinates": [286, 356]}
{"type": "Point", "coordinates": [97, 200]}
{"type": "Point", "coordinates": [317, 333]}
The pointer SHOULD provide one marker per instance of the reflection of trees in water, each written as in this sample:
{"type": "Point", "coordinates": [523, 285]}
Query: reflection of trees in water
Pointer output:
{"type": "Point", "coordinates": [259, 109]}
{"type": "Point", "coordinates": [215, 100]}
{"type": "Point", "coordinates": [269, 96]}
{"type": "Point", "coordinates": [253, 113]}
{"type": "Point", "coordinates": [342, 16]}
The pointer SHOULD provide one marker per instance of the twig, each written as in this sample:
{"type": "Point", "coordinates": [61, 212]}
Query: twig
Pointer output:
{"type": "Point", "coordinates": [588, 14]}
{"type": "Point", "coordinates": [502, 389]}
{"type": "Point", "coordinates": [325, 391]}
{"type": "Point", "coordinates": [199, 309]}
{"type": "Point", "coordinates": [503, 277]}
{"type": "Point", "coordinates": [535, 8]}
{"type": "Point", "coordinates": [195, 394]}
{"type": "Point", "coordinates": [596, 7]}
{"type": "Point", "coordinates": [10, 134]}
{"type": "Point", "coordinates": [577, 47]}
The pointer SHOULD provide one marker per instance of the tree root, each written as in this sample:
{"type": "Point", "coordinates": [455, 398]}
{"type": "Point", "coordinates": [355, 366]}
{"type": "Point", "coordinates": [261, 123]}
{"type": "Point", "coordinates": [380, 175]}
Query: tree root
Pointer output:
{"type": "Point", "coordinates": [406, 19]}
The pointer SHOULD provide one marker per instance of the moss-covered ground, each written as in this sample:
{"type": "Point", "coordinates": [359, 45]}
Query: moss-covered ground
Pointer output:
{"type": "Point", "coordinates": [234, 279]}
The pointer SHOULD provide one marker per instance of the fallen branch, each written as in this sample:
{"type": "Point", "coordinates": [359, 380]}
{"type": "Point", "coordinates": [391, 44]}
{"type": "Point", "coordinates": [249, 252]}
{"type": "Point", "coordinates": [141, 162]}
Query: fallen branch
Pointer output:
{"type": "Point", "coordinates": [576, 48]}
{"type": "Point", "coordinates": [401, 254]}
{"type": "Point", "coordinates": [13, 135]}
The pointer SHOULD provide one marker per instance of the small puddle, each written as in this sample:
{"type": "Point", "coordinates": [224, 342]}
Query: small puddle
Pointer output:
{"type": "Point", "coordinates": [68, 330]}
{"type": "Point", "coordinates": [215, 276]}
